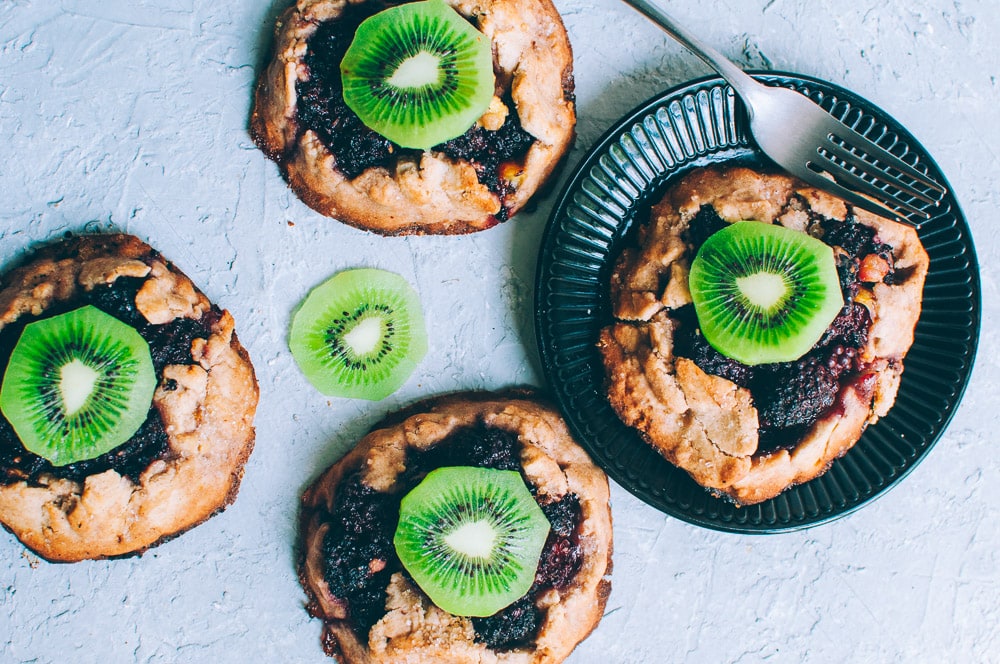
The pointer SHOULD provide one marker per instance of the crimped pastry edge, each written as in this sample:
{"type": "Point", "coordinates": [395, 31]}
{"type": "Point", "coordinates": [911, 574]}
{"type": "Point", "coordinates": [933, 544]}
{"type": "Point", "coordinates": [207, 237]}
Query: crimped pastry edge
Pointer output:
{"type": "Point", "coordinates": [749, 478]}
{"type": "Point", "coordinates": [435, 195]}
{"type": "Point", "coordinates": [107, 515]}
{"type": "Point", "coordinates": [424, 423]}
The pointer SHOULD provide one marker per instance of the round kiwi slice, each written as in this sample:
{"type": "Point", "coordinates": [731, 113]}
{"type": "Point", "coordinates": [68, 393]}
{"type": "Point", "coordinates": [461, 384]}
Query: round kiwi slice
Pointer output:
{"type": "Point", "coordinates": [359, 334]}
{"type": "Point", "coordinates": [764, 293]}
{"type": "Point", "coordinates": [419, 74]}
{"type": "Point", "coordinates": [471, 538]}
{"type": "Point", "coordinates": [77, 385]}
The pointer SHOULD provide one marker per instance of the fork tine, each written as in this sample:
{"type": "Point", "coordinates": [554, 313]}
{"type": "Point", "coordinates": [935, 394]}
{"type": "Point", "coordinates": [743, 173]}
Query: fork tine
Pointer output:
{"type": "Point", "coordinates": [853, 181]}
{"type": "Point", "coordinates": [821, 182]}
{"type": "Point", "coordinates": [857, 141]}
{"type": "Point", "coordinates": [855, 199]}
{"type": "Point", "coordinates": [869, 168]}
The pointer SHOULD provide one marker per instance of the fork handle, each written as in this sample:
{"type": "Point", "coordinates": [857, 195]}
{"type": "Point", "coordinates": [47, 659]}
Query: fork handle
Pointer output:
{"type": "Point", "coordinates": [746, 87]}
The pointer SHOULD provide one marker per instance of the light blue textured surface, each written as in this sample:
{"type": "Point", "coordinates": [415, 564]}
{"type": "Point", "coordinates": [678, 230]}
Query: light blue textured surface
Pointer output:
{"type": "Point", "coordinates": [132, 115]}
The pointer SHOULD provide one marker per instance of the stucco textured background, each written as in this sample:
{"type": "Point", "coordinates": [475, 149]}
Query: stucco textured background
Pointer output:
{"type": "Point", "coordinates": [132, 115]}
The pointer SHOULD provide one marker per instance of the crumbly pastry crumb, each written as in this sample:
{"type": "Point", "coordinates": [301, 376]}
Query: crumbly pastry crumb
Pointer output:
{"type": "Point", "coordinates": [703, 423]}
{"type": "Point", "coordinates": [412, 629]}
{"type": "Point", "coordinates": [207, 410]}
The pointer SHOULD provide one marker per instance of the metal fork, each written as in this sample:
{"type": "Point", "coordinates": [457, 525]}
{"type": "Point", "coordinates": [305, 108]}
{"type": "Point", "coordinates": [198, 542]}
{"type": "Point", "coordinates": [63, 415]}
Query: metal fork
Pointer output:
{"type": "Point", "coordinates": [806, 141]}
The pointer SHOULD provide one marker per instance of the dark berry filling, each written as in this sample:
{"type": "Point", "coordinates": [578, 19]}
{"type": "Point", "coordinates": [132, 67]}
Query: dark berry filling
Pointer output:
{"type": "Point", "coordinates": [562, 556]}
{"type": "Point", "coordinates": [355, 147]}
{"type": "Point", "coordinates": [481, 447]}
{"type": "Point", "coordinates": [321, 105]}
{"type": "Point", "coordinates": [705, 222]}
{"type": "Point", "coordinates": [360, 558]}
{"type": "Point", "coordinates": [689, 343]}
{"type": "Point", "coordinates": [515, 626]}
{"type": "Point", "coordinates": [168, 344]}
{"type": "Point", "coordinates": [489, 150]}
{"type": "Point", "coordinates": [358, 552]}
{"type": "Point", "coordinates": [853, 237]}
{"type": "Point", "coordinates": [791, 396]}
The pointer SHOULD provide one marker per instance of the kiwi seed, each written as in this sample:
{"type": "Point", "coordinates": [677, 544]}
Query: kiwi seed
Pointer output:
{"type": "Point", "coordinates": [360, 334]}
{"type": "Point", "coordinates": [764, 293]}
{"type": "Point", "coordinates": [419, 74]}
{"type": "Point", "coordinates": [471, 538]}
{"type": "Point", "coordinates": [77, 385]}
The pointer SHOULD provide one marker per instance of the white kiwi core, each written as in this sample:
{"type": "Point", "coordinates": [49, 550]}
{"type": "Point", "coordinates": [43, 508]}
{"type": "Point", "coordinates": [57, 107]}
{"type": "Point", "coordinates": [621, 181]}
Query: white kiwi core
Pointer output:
{"type": "Point", "coordinates": [474, 539]}
{"type": "Point", "coordinates": [763, 289]}
{"type": "Point", "coordinates": [76, 383]}
{"type": "Point", "coordinates": [365, 336]}
{"type": "Point", "coordinates": [417, 71]}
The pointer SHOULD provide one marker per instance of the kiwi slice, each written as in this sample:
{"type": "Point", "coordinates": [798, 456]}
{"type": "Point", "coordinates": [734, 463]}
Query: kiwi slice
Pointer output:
{"type": "Point", "coordinates": [764, 293]}
{"type": "Point", "coordinates": [471, 538]}
{"type": "Point", "coordinates": [419, 74]}
{"type": "Point", "coordinates": [359, 334]}
{"type": "Point", "coordinates": [77, 385]}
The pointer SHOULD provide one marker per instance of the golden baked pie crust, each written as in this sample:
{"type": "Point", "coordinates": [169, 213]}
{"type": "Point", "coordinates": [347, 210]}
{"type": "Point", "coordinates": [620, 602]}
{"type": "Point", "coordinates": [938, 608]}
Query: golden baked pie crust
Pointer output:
{"type": "Point", "coordinates": [208, 415]}
{"type": "Point", "coordinates": [414, 630]}
{"type": "Point", "coordinates": [705, 424]}
{"type": "Point", "coordinates": [433, 194]}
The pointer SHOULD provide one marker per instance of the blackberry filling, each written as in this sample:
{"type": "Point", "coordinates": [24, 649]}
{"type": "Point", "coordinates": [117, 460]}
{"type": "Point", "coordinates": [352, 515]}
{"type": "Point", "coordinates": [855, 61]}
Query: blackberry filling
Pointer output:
{"type": "Point", "coordinates": [515, 626]}
{"type": "Point", "coordinates": [689, 343]}
{"type": "Point", "coordinates": [481, 446]}
{"type": "Point", "coordinates": [853, 237]}
{"type": "Point", "coordinates": [704, 223]}
{"type": "Point", "coordinates": [562, 555]}
{"type": "Point", "coordinates": [489, 150]}
{"type": "Point", "coordinates": [321, 105]}
{"type": "Point", "coordinates": [360, 558]}
{"type": "Point", "coordinates": [168, 344]}
{"type": "Point", "coordinates": [358, 553]}
{"type": "Point", "coordinates": [355, 147]}
{"type": "Point", "coordinates": [791, 396]}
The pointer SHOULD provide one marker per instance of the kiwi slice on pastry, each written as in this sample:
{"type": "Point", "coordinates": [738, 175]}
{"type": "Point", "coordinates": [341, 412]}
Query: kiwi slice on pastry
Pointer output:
{"type": "Point", "coordinates": [418, 74]}
{"type": "Point", "coordinates": [471, 538]}
{"type": "Point", "coordinates": [77, 385]}
{"type": "Point", "coordinates": [764, 293]}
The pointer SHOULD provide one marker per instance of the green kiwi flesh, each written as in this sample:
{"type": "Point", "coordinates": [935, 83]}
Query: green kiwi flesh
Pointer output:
{"type": "Point", "coordinates": [359, 334]}
{"type": "Point", "coordinates": [77, 385]}
{"type": "Point", "coordinates": [419, 74]}
{"type": "Point", "coordinates": [764, 293]}
{"type": "Point", "coordinates": [471, 538]}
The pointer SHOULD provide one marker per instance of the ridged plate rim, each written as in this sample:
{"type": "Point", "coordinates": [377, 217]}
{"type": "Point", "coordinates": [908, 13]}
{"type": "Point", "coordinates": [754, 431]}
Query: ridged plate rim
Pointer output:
{"type": "Point", "coordinates": [700, 123]}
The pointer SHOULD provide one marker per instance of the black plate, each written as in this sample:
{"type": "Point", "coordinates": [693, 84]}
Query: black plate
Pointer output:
{"type": "Point", "coordinates": [699, 124]}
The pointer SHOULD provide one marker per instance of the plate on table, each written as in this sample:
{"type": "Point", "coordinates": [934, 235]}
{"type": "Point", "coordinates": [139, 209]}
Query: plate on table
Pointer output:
{"type": "Point", "coordinates": [699, 124]}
